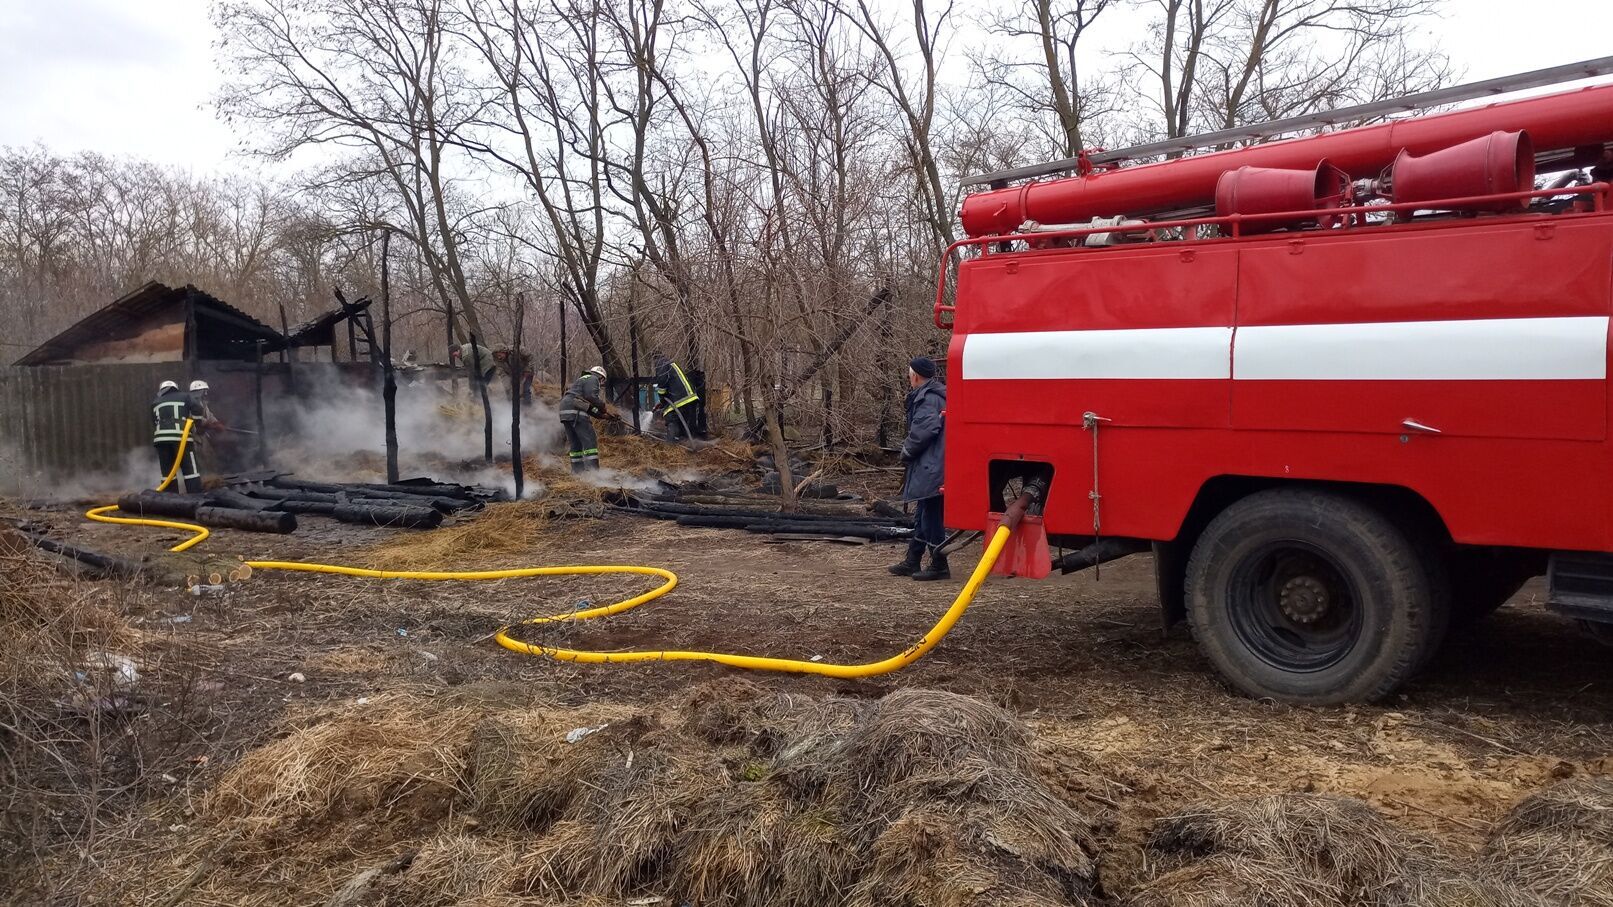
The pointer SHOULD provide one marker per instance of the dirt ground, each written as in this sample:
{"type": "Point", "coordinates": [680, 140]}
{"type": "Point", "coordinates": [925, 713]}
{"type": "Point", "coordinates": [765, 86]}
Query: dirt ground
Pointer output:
{"type": "Point", "coordinates": [1519, 701]}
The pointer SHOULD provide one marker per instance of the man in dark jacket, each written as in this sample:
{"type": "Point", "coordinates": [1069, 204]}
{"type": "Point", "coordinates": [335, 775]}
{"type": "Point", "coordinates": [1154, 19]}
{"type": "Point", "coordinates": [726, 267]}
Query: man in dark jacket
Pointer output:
{"type": "Point", "coordinates": [168, 414]}
{"type": "Point", "coordinates": [581, 402]}
{"type": "Point", "coordinates": [922, 451]}
{"type": "Point", "coordinates": [677, 398]}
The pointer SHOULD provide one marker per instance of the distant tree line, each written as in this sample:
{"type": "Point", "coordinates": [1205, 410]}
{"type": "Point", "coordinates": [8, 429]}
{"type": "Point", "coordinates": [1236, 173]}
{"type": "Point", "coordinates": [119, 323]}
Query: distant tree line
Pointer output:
{"type": "Point", "coordinates": [761, 188]}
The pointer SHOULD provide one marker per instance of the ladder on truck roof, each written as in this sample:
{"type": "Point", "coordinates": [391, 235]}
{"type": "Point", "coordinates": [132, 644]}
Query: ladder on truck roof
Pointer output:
{"type": "Point", "coordinates": [1420, 101]}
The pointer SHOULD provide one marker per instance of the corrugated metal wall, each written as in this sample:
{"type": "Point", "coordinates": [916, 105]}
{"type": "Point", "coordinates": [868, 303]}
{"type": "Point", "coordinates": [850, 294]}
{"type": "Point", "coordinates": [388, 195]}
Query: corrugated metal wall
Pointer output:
{"type": "Point", "coordinates": [58, 420]}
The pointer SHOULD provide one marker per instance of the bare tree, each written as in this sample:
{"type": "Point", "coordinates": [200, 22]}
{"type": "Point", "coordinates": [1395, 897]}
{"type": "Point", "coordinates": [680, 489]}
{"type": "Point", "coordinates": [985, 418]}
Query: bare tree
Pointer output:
{"type": "Point", "coordinates": [379, 79]}
{"type": "Point", "coordinates": [1222, 63]}
{"type": "Point", "coordinates": [1056, 88]}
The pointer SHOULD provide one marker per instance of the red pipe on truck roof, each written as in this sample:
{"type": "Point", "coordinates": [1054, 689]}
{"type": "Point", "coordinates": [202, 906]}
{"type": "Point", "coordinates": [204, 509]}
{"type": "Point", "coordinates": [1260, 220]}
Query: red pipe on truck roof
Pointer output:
{"type": "Point", "coordinates": [1558, 121]}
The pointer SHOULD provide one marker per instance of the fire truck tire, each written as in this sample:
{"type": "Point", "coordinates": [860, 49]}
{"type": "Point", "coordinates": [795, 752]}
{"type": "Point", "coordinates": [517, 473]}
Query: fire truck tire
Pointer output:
{"type": "Point", "coordinates": [1311, 597]}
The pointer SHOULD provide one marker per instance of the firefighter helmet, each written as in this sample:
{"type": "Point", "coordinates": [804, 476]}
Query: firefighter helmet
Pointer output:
{"type": "Point", "coordinates": [167, 386]}
{"type": "Point", "coordinates": [598, 370]}
{"type": "Point", "coordinates": [198, 385]}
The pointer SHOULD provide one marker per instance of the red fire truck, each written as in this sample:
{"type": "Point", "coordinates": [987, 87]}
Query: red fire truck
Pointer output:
{"type": "Point", "coordinates": [1350, 389]}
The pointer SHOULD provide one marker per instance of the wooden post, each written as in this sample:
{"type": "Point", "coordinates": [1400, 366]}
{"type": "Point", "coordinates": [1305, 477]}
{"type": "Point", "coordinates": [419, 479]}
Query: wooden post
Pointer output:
{"type": "Point", "coordinates": [389, 382]}
{"type": "Point", "coordinates": [517, 373]}
{"type": "Point", "coordinates": [257, 392]}
{"type": "Point", "coordinates": [474, 367]}
{"type": "Point", "coordinates": [285, 332]}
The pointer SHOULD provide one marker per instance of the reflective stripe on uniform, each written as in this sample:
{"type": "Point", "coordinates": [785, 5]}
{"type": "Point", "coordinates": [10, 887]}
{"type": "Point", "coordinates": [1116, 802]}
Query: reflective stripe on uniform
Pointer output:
{"type": "Point", "coordinates": [692, 397]}
{"type": "Point", "coordinates": [175, 420]}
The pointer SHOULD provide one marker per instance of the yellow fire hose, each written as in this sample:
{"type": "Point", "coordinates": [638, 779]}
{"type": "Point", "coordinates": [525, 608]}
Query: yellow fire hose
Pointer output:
{"type": "Point", "coordinates": [907, 656]}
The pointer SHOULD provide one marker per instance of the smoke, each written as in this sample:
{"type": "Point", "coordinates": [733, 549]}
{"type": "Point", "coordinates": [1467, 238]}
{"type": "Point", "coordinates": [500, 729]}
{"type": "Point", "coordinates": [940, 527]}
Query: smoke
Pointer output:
{"type": "Point", "coordinates": [136, 469]}
{"type": "Point", "coordinates": [338, 433]}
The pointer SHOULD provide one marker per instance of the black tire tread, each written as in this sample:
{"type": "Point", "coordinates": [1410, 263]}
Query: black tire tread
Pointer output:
{"type": "Point", "coordinates": [1406, 648]}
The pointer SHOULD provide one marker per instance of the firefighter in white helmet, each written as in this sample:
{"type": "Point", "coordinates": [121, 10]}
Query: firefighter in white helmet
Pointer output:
{"type": "Point", "coordinates": [169, 412]}
{"type": "Point", "coordinates": [583, 401]}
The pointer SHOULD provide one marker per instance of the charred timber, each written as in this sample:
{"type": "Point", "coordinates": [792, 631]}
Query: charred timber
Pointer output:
{"type": "Point", "coordinates": [764, 515]}
{"type": "Point", "coordinates": [395, 517]}
{"type": "Point", "coordinates": [106, 565]}
{"type": "Point", "coordinates": [754, 524]}
{"type": "Point", "coordinates": [360, 497]}
{"type": "Point", "coordinates": [157, 503]}
{"type": "Point", "coordinates": [224, 497]}
{"type": "Point", "coordinates": [274, 521]}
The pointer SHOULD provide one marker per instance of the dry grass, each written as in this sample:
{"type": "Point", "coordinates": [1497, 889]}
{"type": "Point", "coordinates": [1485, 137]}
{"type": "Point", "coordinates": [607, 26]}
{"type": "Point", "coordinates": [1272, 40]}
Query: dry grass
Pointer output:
{"type": "Point", "coordinates": [512, 528]}
{"type": "Point", "coordinates": [371, 759]}
{"type": "Point", "coordinates": [1301, 850]}
{"type": "Point", "coordinates": [1558, 844]}
{"type": "Point", "coordinates": [728, 796]}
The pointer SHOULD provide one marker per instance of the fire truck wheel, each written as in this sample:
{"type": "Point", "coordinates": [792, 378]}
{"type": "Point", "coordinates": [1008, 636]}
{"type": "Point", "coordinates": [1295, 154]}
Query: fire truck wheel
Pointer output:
{"type": "Point", "coordinates": [1310, 597]}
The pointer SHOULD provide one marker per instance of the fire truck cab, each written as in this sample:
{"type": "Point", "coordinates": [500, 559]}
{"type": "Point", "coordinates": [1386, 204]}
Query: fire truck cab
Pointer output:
{"type": "Point", "coordinates": [1349, 389]}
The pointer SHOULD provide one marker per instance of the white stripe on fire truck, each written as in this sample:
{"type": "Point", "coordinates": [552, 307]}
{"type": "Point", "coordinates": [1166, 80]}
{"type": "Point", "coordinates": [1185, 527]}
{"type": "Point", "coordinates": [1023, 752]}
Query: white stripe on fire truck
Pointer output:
{"type": "Point", "coordinates": [1499, 349]}
{"type": "Point", "coordinates": [1125, 353]}
{"type": "Point", "coordinates": [1495, 349]}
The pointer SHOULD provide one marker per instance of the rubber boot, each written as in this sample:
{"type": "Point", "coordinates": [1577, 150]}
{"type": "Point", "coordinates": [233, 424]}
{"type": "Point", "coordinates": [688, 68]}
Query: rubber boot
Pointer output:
{"type": "Point", "coordinates": [910, 564]}
{"type": "Point", "coordinates": [937, 570]}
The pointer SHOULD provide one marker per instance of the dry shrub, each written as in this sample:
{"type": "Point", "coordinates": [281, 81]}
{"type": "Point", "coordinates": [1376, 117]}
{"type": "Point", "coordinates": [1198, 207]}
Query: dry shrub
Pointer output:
{"type": "Point", "coordinates": [68, 694]}
{"type": "Point", "coordinates": [511, 528]}
{"type": "Point", "coordinates": [391, 753]}
{"type": "Point", "coordinates": [1301, 850]}
{"type": "Point", "coordinates": [1558, 843]}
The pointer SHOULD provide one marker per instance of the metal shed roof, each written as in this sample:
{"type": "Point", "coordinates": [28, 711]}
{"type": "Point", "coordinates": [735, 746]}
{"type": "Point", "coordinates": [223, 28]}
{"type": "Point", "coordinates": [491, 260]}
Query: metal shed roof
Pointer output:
{"type": "Point", "coordinates": [152, 297]}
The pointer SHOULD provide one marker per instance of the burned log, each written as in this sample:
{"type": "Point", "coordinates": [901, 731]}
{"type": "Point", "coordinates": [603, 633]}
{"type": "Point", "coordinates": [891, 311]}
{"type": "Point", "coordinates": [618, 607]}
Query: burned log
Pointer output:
{"type": "Point", "coordinates": [397, 517]}
{"type": "Point", "coordinates": [101, 564]}
{"type": "Point", "coordinates": [764, 515]}
{"type": "Point", "coordinates": [275, 521]}
{"type": "Point", "coordinates": [224, 497]}
{"type": "Point", "coordinates": [358, 497]}
{"type": "Point", "coordinates": [157, 503]}
{"type": "Point", "coordinates": [782, 524]}
{"type": "Point", "coordinates": [321, 508]}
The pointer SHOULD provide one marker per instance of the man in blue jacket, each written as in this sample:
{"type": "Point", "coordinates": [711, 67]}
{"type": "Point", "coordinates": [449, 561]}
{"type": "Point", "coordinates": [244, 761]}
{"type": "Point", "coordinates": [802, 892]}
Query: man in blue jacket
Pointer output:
{"type": "Point", "coordinates": [923, 454]}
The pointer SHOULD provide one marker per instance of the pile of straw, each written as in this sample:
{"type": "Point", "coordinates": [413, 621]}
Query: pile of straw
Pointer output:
{"type": "Point", "coordinates": [491, 535]}
{"type": "Point", "coordinates": [1558, 844]}
{"type": "Point", "coordinates": [730, 796]}
{"type": "Point", "coordinates": [1301, 850]}
{"type": "Point", "coordinates": [359, 762]}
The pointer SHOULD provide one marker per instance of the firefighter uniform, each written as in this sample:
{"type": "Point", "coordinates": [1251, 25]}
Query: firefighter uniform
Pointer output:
{"type": "Point", "coordinates": [676, 394]}
{"type": "Point", "coordinates": [580, 403]}
{"type": "Point", "coordinates": [168, 413]}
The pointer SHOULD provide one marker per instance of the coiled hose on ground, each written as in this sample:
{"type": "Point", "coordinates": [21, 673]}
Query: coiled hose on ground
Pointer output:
{"type": "Point", "coordinates": [907, 656]}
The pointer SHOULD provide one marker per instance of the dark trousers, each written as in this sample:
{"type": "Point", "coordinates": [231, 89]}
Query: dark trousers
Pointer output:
{"type": "Point", "coordinates": [584, 444]}
{"type": "Point", "coordinates": [189, 478]}
{"type": "Point", "coordinates": [927, 526]}
{"type": "Point", "coordinates": [677, 425]}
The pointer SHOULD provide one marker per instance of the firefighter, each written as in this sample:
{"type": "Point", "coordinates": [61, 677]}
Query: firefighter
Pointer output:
{"type": "Point", "coordinates": [677, 397]}
{"type": "Point", "coordinates": [198, 393]}
{"type": "Point", "coordinates": [922, 453]}
{"type": "Point", "coordinates": [582, 402]}
{"type": "Point", "coordinates": [169, 412]}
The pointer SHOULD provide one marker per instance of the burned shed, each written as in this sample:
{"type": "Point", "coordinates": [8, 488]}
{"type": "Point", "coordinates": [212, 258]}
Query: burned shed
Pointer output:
{"type": "Point", "coordinates": [79, 403]}
{"type": "Point", "coordinates": [158, 323]}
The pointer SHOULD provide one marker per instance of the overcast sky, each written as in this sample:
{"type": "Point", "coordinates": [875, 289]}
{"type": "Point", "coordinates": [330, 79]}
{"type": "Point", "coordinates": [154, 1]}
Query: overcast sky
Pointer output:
{"type": "Point", "coordinates": [136, 77]}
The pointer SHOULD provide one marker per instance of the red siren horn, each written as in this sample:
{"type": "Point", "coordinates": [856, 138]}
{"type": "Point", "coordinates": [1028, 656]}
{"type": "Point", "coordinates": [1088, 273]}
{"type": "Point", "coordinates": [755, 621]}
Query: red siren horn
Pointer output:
{"type": "Point", "coordinates": [1271, 190]}
{"type": "Point", "coordinates": [1495, 164]}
